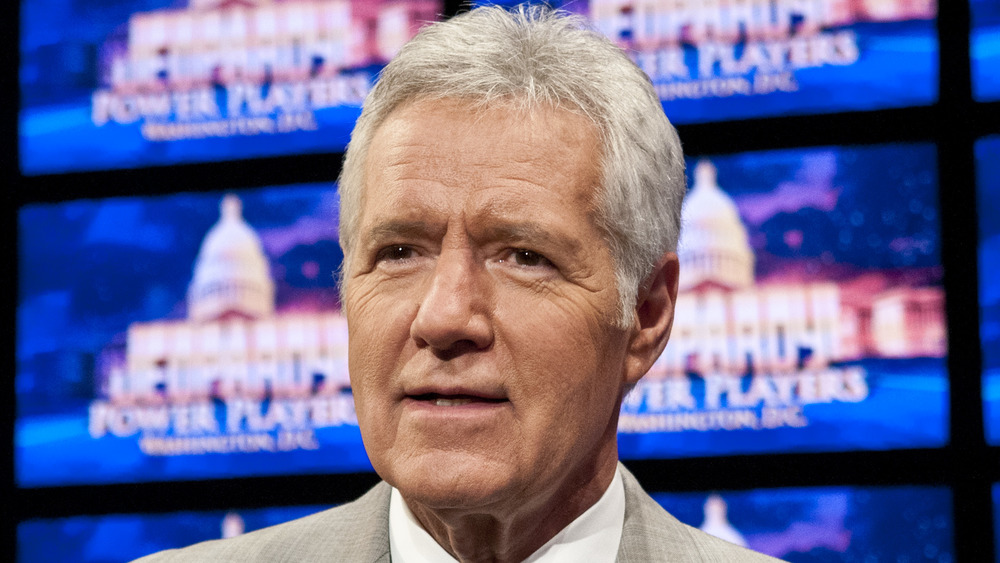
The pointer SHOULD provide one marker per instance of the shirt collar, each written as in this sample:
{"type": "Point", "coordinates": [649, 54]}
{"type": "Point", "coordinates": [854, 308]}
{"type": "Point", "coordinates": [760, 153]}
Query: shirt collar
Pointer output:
{"type": "Point", "coordinates": [593, 536]}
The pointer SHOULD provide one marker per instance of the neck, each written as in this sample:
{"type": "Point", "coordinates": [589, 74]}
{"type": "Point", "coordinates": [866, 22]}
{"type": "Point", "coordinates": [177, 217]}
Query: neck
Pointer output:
{"type": "Point", "coordinates": [512, 533]}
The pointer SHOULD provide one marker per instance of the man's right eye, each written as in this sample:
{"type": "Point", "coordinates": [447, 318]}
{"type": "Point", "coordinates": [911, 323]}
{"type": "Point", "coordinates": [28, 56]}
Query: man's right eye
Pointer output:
{"type": "Point", "coordinates": [394, 253]}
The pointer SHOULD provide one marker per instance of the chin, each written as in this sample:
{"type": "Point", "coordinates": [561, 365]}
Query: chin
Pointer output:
{"type": "Point", "coordinates": [449, 479]}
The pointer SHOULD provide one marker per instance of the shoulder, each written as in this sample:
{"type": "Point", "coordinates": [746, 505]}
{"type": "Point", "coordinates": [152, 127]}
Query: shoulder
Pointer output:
{"type": "Point", "coordinates": [652, 534]}
{"type": "Point", "coordinates": [357, 531]}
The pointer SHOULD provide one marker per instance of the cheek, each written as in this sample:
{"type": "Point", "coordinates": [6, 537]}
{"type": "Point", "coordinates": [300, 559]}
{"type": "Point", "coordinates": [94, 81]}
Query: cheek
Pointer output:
{"type": "Point", "coordinates": [564, 352]}
{"type": "Point", "coordinates": [373, 353]}
{"type": "Point", "coordinates": [378, 329]}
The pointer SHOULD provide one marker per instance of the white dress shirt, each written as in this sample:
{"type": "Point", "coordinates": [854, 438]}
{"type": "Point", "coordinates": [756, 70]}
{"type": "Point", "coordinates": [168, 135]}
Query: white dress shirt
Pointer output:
{"type": "Point", "coordinates": [594, 535]}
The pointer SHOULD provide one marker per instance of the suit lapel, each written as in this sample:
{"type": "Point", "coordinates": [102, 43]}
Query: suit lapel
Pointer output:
{"type": "Point", "coordinates": [649, 532]}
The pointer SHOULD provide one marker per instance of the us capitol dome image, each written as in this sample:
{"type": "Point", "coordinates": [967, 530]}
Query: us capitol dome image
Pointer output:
{"type": "Point", "coordinates": [715, 247]}
{"type": "Point", "coordinates": [233, 343]}
{"type": "Point", "coordinates": [231, 275]}
{"type": "Point", "coordinates": [727, 322]}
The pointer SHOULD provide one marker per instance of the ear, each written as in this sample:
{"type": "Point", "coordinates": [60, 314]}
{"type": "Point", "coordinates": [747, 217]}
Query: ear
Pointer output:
{"type": "Point", "coordinates": [654, 316]}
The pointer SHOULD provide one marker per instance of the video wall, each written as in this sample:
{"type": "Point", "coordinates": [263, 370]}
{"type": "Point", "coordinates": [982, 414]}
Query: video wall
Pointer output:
{"type": "Point", "coordinates": [712, 61]}
{"type": "Point", "coordinates": [988, 210]}
{"type": "Point", "coordinates": [134, 83]}
{"type": "Point", "coordinates": [190, 336]}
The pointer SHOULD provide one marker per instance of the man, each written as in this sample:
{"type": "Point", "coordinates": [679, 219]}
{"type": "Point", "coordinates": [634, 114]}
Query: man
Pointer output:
{"type": "Point", "coordinates": [510, 207]}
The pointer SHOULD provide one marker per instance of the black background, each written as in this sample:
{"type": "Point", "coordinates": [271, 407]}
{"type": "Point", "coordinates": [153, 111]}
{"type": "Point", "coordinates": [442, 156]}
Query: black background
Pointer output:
{"type": "Point", "coordinates": [967, 465]}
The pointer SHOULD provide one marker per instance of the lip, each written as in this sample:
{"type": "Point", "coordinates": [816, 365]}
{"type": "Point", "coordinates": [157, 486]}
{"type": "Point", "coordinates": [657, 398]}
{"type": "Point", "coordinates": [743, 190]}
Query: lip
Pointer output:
{"type": "Point", "coordinates": [427, 392]}
{"type": "Point", "coordinates": [453, 400]}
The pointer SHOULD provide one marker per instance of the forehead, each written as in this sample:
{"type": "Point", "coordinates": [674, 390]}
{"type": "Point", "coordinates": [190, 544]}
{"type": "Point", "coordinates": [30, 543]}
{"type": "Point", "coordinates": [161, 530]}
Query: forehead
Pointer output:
{"type": "Point", "coordinates": [505, 158]}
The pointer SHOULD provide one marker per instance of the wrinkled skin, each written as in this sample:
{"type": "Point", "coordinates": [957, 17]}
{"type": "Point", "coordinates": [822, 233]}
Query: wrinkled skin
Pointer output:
{"type": "Point", "coordinates": [486, 363]}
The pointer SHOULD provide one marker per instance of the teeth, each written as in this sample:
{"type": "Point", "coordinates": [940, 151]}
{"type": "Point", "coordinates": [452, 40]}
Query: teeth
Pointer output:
{"type": "Point", "coordinates": [451, 402]}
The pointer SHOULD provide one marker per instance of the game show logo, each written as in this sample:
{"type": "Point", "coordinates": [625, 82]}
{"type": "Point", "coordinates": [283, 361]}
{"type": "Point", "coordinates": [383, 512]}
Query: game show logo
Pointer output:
{"type": "Point", "coordinates": [712, 60]}
{"type": "Point", "coordinates": [225, 68]}
{"type": "Point", "coordinates": [758, 355]}
{"type": "Point", "coordinates": [698, 49]}
{"type": "Point", "coordinates": [234, 376]}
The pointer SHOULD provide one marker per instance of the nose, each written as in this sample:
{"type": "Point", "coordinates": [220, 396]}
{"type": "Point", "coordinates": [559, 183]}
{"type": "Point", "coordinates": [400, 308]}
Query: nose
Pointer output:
{"type": "Point", "coordinates": [453, 317]}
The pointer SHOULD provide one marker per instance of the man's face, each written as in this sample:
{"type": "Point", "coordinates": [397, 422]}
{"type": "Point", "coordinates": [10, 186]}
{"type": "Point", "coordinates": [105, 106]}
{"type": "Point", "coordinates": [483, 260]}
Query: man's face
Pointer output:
{"type": "Point", "coordinates": [481, 305]}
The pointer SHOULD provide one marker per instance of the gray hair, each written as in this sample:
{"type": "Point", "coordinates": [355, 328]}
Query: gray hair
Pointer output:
{"type": "Point", "coordinates": [532, 57]}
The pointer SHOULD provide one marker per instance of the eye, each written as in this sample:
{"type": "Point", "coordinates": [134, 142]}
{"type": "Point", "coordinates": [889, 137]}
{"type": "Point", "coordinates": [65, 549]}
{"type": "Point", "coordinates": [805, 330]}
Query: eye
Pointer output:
{"type": "Point", "coordinates": [394, 253]}
{"type": "Point", "coordinates": [529, 258]}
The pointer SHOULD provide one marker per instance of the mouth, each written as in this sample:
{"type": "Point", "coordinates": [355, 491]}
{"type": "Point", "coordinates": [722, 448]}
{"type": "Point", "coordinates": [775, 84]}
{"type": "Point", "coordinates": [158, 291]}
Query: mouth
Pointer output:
{"type": "Point", "coordinates": [444, 397]}
{"type": "Point", "coordinates": [454, 400]}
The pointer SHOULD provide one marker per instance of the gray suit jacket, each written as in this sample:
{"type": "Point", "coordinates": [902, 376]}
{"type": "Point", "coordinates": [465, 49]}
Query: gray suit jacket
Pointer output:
{"type": "Point", "coordinates": [359, 532]}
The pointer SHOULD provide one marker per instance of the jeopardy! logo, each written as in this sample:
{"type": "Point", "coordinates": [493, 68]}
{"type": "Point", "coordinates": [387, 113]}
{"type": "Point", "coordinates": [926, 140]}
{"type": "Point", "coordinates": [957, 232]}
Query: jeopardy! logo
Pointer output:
{"type": "Point", "coordinates": [756, 354]}
{"type": "Point", "coordinates": [719, 48]}
{"type": "Point", "coordinates": [235, 376]}
{"type": "Point", "coordinates": [223, 68]}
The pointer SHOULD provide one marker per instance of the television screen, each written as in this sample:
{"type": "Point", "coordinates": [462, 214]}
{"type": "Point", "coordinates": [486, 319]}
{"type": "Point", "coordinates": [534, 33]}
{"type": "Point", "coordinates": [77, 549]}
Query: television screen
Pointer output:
{"type": "Point", "coordinates": [811, 312]}
{"type": "Point", "coordinates": [988, 210]}
{"type": "Point", "coordinates": [713, 61]}
{"type": "Point", "coordinates": [131, 83]}
{"type": "Point", "coordinates": [123, 537]}
{"type": "Point", "coordinates": [182, 337]}
{"type": "Point", "coordinates": [825, 524]}
{"type": "Point", "coordinates": [985, 46]}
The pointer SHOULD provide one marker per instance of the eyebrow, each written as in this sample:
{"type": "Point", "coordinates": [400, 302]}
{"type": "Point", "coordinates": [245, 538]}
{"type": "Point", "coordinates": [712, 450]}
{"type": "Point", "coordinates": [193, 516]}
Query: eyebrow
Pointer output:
{"type": "Point", "coordinates": [530, 231]}
{"type": "Point", "coordinates": [498, 229]}
{"type": "Point", "coordinates": [402, 229]}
